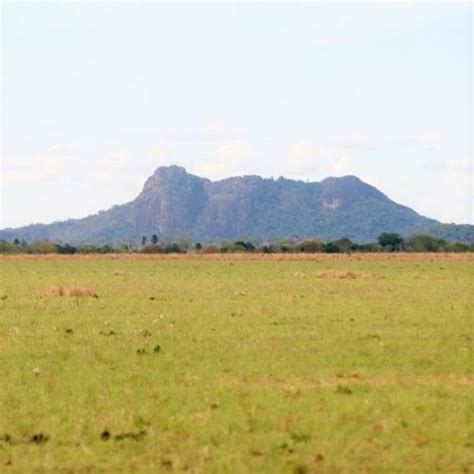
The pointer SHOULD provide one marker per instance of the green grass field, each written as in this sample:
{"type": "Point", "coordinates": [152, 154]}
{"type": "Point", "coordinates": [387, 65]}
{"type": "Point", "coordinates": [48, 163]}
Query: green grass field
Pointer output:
{"type": "Point", "coordinates": [347, 364]}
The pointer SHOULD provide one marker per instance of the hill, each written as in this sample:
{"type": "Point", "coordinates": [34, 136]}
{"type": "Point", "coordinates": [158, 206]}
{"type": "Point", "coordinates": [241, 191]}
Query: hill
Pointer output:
{"type": "Point", "coordinates": [174, 202]}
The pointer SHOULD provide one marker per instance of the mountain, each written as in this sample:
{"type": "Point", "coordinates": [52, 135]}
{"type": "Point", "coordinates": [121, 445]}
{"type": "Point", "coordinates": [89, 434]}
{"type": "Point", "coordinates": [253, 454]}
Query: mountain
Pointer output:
{"type": "Point", "coordinates": [174, 202]}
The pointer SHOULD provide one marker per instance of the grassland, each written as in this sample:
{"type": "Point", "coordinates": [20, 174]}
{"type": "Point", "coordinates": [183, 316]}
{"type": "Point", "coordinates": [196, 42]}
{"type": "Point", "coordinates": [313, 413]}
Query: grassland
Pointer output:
{"type": "Point", "coordinates": [226, 364]}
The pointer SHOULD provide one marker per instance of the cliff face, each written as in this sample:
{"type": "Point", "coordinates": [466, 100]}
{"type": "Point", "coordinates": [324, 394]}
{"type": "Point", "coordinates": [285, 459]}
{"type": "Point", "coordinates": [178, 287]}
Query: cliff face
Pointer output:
{"type": "Point", "coordinates": [174, 202]}
{"type": "Point", "coordinates": [171, 201]}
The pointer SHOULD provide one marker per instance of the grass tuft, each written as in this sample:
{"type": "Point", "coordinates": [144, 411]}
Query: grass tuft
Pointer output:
{"type": "Point", "coordinates": [77, 291]}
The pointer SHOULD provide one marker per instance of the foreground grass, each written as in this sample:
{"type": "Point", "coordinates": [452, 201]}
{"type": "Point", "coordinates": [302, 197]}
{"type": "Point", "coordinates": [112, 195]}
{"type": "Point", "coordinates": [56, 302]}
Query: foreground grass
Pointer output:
{"type": "Point", "coordinates": [235, 365]}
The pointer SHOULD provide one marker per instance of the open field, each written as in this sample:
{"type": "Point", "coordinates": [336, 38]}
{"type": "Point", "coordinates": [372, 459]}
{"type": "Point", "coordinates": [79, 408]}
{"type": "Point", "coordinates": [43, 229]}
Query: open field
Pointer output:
{"type": "Point", "coordinates": [244, 363]}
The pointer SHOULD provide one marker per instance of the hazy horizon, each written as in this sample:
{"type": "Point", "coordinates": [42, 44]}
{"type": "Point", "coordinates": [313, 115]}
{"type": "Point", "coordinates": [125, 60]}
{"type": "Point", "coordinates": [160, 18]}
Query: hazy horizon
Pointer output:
{"type": "Point", "coordinates": [96, 96]}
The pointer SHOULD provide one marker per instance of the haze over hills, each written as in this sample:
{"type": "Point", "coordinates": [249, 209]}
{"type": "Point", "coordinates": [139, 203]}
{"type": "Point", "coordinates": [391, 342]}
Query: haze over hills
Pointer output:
{"type": "Point", "coordinates": [174, 203]}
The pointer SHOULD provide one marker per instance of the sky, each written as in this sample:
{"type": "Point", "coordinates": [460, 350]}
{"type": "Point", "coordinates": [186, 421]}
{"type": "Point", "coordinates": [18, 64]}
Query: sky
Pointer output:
{"type": "Point", "coordinates": [95, 96]}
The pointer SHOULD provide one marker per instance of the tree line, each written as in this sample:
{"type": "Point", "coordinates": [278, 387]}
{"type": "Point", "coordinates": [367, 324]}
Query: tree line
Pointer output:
{"type": "Point", "coordinates": [386, 242]}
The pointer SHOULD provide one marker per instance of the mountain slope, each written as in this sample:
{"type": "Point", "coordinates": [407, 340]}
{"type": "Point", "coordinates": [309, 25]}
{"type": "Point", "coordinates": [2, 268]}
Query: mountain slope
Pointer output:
{"type": "Point", "coordinates": [174, 202]}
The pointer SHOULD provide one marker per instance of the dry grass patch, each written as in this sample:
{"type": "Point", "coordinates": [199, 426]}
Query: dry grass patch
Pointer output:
{"type": "Point", "coordinates": [76, 291]}
{"type": "Point", "coordinates": [337, 274]}
{"type": "Point", "coordinates": [342, 275]}
{"type": "Point", "coordinates": [349, 275]}
{"type": "Point", "coordinates": [314, 257]}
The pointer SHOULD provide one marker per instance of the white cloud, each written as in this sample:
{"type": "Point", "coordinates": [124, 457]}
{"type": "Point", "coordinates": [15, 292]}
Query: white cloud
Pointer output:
{"type": "Point", "coordinates": [159, 154]}
{"type": "Point", "coordinates": [230, 159]}
{"type": "Point", "coordinates": [464, 166]}
{"type": "Point", "coordinates": [454, 199]}
{"type": "Point", "coordinates": [219, 130]}
{"type": "Point", "coordinates": [360, 141]}
{"type": "Point", "coordinates": [459, 181]}
{"type": "Point", "coordinates": [48, 165]}
{"type": "Point", "coordinates": [302, 159]}
{"type": "Point", "coordinates": [459, 177]}
{"type": "Point", "coordinates": [124, 174]}
{"type": "Point", "coordinates": [212, 131]}
{"type": "Point", "coordinates": [367, 142]}
{"type": "Point", "coordinates": [305, 151]}
{"type": "Point", "coordinates": [236, 152]}
{"type": "Point", "coordinates": [115, 166]}
{"type": "Point", "coordinates": [341, 165]}
{"type": "Point", "coordinates": [429, 139]}
{"type": "Point", "coordinates": [311, 160]}
{"type": "Point", "coordinates": [116, 161]}
{"type": "Point", "coordinates": [327, 39]}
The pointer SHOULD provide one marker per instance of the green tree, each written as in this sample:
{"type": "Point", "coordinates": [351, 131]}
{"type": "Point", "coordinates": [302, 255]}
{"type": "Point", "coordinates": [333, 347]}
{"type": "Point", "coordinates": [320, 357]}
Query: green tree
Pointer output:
{"type": "Point", "coordinates": [144, 240]}
{"type": "Point", "coordinates": [66, 249]}
{"type": "Point", "coordinates": [391, 242]}
{"type": "Point", "coordinates": [173, 248]}
{"type": "Point", "coordinates": [425, 243]}
{"type": "Point", "coordinates": [154, 239]}
{"type": "Point", "coordinates": [311, 246]}
{"type": "Point", "coordinates": [43, 247]}
{"type": "Point", "coordinates": [457, 247]}
{"type": "Point", "coordinates": [248, 246]}
{"type": "Point", "coordinates": [345, 245]}
{"type": "Point", "coordinates": [332, 247]}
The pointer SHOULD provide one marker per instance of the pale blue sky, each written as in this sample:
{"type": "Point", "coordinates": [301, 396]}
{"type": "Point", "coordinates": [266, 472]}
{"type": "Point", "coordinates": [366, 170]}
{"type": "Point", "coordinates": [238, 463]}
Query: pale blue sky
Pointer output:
{"type": "Point", "coordinates": [95, 96]}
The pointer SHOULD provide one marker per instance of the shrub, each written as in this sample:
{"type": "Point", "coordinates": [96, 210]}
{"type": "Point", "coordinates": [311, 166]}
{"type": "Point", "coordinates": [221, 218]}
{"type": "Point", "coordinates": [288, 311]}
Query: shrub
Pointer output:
{"type": "Point", "coordinates": [425, 243]}
{"type": "Point", "coordinates": [233, 248]}
{"type": "Point", "coordinates": [345, 245]}
{"type": "Point", "coordinates": [265, 249]}
{"type": "Point", "coordinates": [66, 249]}
{"type": "Point", "coordinates": [391, 242]}
{"type": "Point", "coordinates": [311, 246]}
{"type": "Point", "coordinates": [174, 248]}
{"type": "Point", "coordinates": [210, 249]}
{"type": "Point", "coordinates": [43, 247]}
{"type": "Point", "coordinates": [152, 248]}
{"type": "Point", "coordinates": [457, 247]}
{"type": "Point", "coordinates": [331, 247]}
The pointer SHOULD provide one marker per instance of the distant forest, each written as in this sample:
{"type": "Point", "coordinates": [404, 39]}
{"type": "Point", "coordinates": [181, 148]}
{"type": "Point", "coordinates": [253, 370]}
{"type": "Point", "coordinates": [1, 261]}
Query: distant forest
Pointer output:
{"type": "Point", "coordinates": [386, 242]}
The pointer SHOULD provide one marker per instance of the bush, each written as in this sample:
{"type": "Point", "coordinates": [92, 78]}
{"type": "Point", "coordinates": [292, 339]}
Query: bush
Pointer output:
{"type": "Point", "coordinates": [425, 243]}
{"type": "Point", "coordinates": [311, 246]}
{"type": "Point", "coordinates": [210, 249]}
{"type": "Point", "coordinates": [285, 246]}
{"type": "Point", "coordinates": [265, 249]}
{"type": "Point", "coordinates": [391, 242]}
{"type": "Point", "coordinates": [345, 245]}
{"type": "Point", "coordinates": [8, 248]}
{"type": "Point", "coordinates": [233, 248]}
{"type": "Point", "coordinates": [369, 248]}
{"type": "Point", "coordinates": [332, 247]}
{"type": "Point", "coordinates": [457, 247]}
{"type": "Point", "coordinates": [43, 247]}
{"type": "Point", "coordinates": [66, 249]}
{"type": "Point", "coordinates": [174, 248]}
{"type": "Point", "coordinates": [152, 248]}
{"type": "Point", "coordinates": [386, 242]}
{"type": "Point", "coordinates": [238, 247]}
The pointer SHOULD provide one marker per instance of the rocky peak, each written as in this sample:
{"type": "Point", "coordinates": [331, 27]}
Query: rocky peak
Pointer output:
{"type": "Point", "coordinates": [346, 190]}
{"type": "Point", "coordinates": [174, 202]}
{"type": "Point", "coordinates": [165, 174]}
